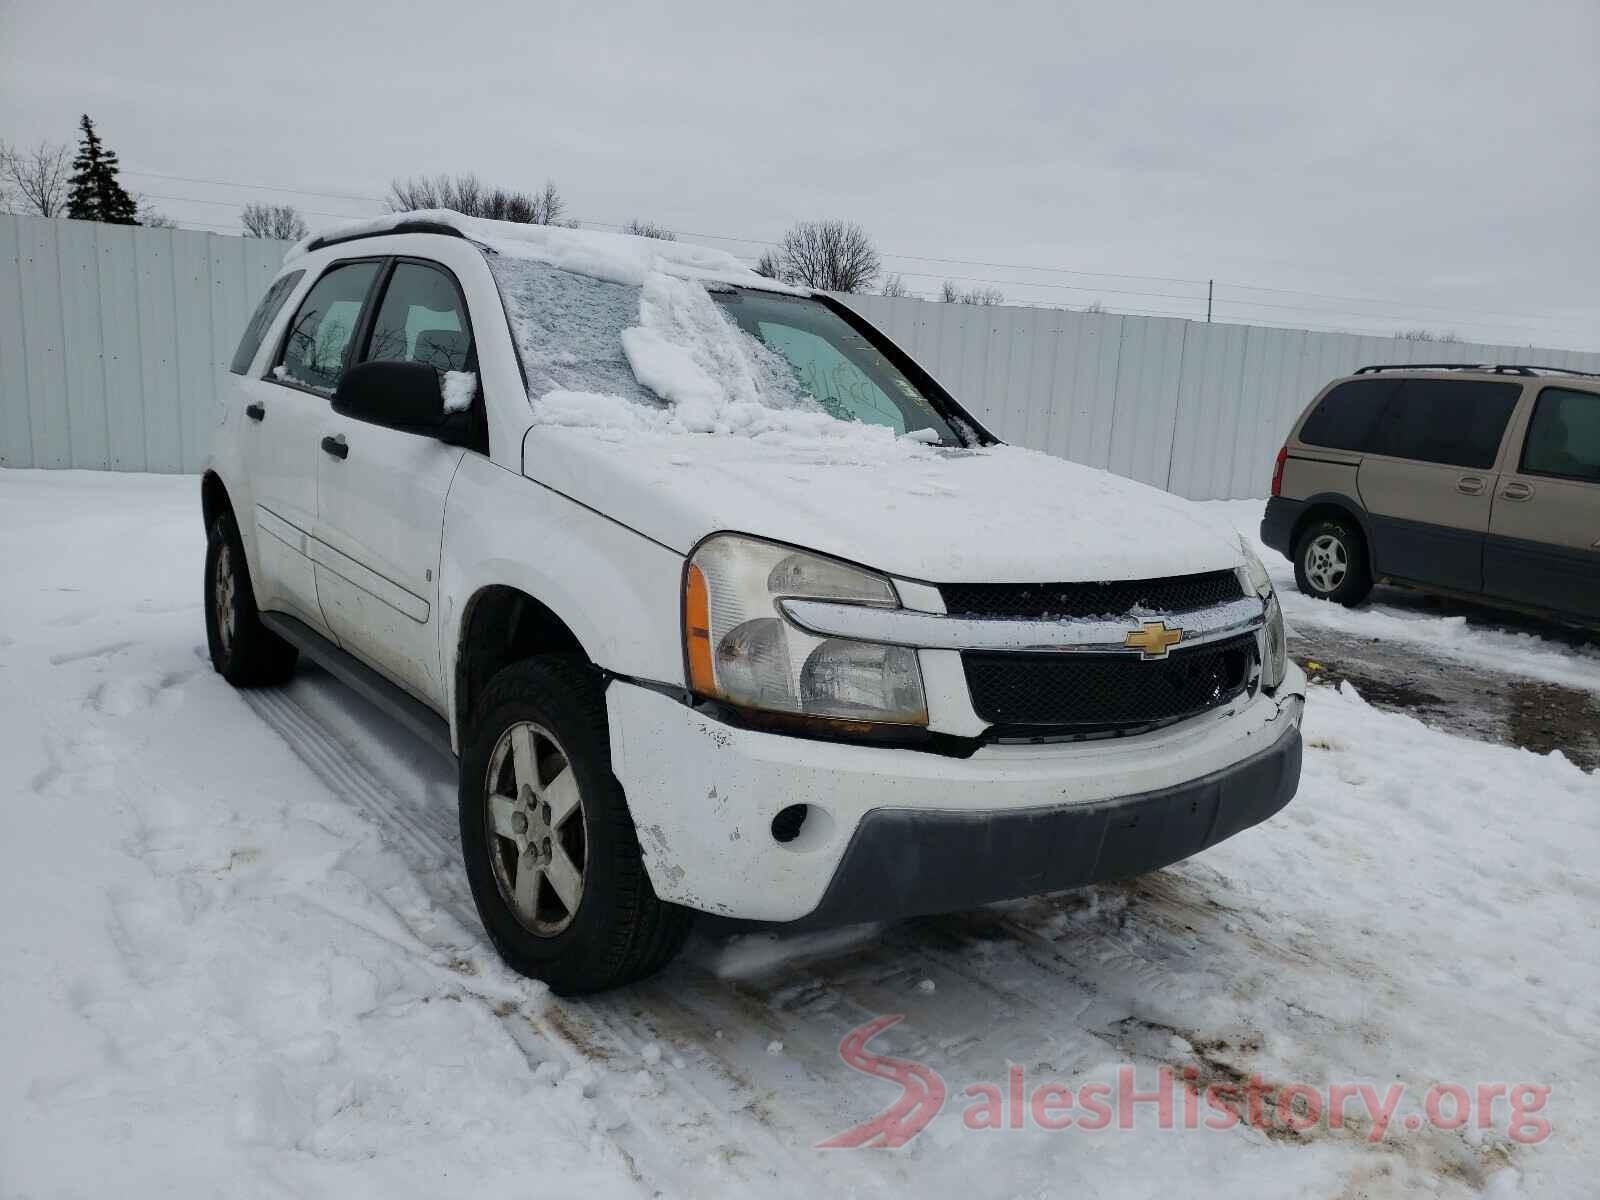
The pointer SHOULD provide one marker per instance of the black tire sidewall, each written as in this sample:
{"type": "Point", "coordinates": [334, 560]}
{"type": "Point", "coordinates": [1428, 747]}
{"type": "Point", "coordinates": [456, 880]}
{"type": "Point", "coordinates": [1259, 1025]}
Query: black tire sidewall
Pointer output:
{"type": "Point", "coordinates": [222, 534]}
{"type": "Point", "coordinates": [587, 954]}
{"type": "Point", "coordinates": [1355, 585]}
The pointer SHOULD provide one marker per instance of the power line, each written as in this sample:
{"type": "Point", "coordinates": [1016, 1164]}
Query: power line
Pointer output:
{"type": "Point", "coordinates": [260, 187]}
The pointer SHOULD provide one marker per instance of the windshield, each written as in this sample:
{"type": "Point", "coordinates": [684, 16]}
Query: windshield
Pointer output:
{"type": "Point", "coordinates": [691, 363]}
{"type": "Point", "coordinates": [835, 364]}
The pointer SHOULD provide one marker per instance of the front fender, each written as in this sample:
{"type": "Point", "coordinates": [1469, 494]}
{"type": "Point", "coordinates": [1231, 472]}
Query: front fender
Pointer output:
{"type": "Point", "coordinates": [617, 590]}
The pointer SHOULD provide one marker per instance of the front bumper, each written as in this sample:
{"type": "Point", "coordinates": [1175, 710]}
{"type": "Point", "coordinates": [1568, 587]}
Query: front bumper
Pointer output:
{"type": "Point", "coordinates": [896, 832]}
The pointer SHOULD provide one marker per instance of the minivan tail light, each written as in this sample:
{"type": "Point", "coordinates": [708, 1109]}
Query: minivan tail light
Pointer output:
{"type": "Point", "coordinates": [1277, 471]}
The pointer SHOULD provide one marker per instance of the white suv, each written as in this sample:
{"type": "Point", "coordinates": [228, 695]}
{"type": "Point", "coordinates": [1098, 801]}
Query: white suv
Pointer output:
{"type": "Point", "coordinates": [721, 601]}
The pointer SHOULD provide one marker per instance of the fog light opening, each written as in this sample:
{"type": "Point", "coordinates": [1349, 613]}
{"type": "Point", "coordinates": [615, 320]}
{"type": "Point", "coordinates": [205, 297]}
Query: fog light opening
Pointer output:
{"type": "Point", "coordinates": [786, 826]}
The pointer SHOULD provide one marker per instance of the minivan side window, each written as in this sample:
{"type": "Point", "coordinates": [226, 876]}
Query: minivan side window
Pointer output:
{"type": "Point", "coordinates": [1348, 416]}
{"type": "Point", "coordinates": [1453, 422]}
{"type": "Point", "coordinates": [317, 348]}
{"type": "Point", "coordinates": [421, 320]}
{"type": "Point", "coordinates": [260, 319]}
{"type": "Point", "coordinates": [1564, 436]}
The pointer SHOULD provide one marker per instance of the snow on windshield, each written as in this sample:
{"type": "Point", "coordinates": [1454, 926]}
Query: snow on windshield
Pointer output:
{"type": "Point", "coordinates": [658, 358]}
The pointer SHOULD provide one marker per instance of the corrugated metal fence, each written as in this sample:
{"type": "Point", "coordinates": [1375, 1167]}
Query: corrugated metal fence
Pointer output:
{"type": "Point", "coordinates": [113, 341]}
{"type": "Point", "coordinates": [1196, 408]}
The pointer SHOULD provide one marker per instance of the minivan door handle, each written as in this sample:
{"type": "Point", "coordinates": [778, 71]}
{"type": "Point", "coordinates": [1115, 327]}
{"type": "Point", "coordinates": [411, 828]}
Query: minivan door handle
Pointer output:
{"type": "Point", "coordinates": [1471, 485]}
{"type": "Point", "coordinates": [1516, 490]}
{"type": "Point", "coordinates": [336, 446]}
{"type": "Point", "coordinates": [255, 410]}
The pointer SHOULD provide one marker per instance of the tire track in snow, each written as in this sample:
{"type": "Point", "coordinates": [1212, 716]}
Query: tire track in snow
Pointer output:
{"type": "Point", "coordinates": [755, 1153]}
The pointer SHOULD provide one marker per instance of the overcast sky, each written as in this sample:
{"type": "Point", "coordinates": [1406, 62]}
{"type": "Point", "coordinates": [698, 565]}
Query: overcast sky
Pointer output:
{"type": "Point", "coordinates": [1417, 164]}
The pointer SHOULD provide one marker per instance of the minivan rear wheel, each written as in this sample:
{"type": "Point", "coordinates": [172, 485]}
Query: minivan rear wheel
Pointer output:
{"type": "Point", "coordinates": [1330, 563]}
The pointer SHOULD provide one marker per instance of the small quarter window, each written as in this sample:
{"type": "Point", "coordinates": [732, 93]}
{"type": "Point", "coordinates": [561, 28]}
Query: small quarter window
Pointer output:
{"type": "Point", "coordinates": [1564, 436]}
{"type": "Point", "coordinates": [260, 319]}
{"type": "Point", "coordinates": [317, 348]}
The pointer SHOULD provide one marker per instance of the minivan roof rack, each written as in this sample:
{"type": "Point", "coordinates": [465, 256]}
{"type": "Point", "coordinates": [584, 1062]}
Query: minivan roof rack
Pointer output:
{"type": "Point", "coordinates": [1486, 368]}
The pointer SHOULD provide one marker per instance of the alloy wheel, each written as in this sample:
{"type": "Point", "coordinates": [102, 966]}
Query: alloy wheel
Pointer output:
{"type": "Point", "coordinates": [537, 841]}
{"type": "Point", "coordinates": [1327, 563]}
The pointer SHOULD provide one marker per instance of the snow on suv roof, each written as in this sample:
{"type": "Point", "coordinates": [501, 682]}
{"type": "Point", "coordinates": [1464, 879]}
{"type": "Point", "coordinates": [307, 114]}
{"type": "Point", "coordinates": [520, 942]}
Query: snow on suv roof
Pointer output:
{"type": "Point", "coordinates": [614, 257]}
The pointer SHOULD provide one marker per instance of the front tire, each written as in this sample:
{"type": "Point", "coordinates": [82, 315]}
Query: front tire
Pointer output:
{"type": "Point", "coordinates": [548, 841]}
{"type": "Point", "coordinates": [1330, 563]}
{"type": "Point", "coordinates": [243, 650]}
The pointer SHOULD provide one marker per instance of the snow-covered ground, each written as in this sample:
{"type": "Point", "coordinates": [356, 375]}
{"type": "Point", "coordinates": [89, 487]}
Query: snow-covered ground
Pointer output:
{"type": "Point", "coordinates": [237, 956]}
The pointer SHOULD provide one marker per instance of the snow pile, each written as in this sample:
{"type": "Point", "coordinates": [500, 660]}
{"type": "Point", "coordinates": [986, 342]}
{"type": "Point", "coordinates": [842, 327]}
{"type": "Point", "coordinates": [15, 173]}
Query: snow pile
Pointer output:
{"type": "Point", "coordinates": [458, 387]}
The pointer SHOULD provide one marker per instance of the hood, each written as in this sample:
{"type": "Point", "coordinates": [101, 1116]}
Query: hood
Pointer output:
{"type": "Point", "coordinates": [1000, 514]}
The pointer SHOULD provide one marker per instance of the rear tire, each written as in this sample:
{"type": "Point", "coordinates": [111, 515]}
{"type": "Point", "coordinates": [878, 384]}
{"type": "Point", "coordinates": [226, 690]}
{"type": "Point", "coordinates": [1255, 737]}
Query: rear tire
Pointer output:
{"type": "Point", "coordinates": [1330, 562]}
{"type": "Point", "coordinates": [548, 842]}
{"type": "Point", "coordinates": [243, 650]}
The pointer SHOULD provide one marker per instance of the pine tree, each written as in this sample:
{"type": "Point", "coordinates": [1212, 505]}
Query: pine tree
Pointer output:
{"type": "Point", "coordinates": [96, 195]}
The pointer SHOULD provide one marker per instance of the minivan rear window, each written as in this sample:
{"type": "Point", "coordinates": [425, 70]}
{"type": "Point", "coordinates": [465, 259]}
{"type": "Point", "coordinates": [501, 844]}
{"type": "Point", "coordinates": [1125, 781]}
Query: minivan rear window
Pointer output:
{"type": "Point", "coordinates": [1454, 422]}
{"type": "Point", "coordinates": [1348, 416]}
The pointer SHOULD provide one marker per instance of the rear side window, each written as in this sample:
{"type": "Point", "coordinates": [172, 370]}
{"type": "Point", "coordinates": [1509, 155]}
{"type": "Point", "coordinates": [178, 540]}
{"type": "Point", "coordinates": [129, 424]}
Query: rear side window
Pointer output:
{"type": "Point", "coordinates": [1347, 418]}
{"type": "Point", "coordinates": [260, 319]}
{"type": "Point", "coordinates": [317, 348]}
{"type": "Point", "coordinates": [1564, 436]}
{"type": "Point", "coordinates": [1456, 423]}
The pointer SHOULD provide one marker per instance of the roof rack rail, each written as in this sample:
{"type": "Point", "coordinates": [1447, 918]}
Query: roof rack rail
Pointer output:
{"type": "Point", "coordinates": [401, 226]}
{"type": "Point", "coordinates": [1486, 368]}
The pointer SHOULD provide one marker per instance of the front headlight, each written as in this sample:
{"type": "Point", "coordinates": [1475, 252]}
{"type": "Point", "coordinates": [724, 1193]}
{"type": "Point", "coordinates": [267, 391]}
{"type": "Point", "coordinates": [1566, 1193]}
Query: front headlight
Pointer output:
{"type": "Point", "coordinates": [740, 648]}
{"type": "Point", "coordinates": [1274, 640]}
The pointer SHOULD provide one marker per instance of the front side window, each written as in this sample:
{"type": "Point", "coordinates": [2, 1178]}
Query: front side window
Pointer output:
{"type": "Point", "coordinates": [1564, 436]}
{"type": "Point", "coordinates": [260, 319]}
{"type": "Point", "coordinates": [1456, 423]}
{"type": "Point", "coordinates": [421, 320]}
{"type": "Point", "coordinates": [317, 348]}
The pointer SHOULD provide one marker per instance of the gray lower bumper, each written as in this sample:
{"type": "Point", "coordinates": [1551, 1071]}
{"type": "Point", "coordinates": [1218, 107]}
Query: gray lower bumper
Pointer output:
{"type": "Point", "coordinates": [905, 862]}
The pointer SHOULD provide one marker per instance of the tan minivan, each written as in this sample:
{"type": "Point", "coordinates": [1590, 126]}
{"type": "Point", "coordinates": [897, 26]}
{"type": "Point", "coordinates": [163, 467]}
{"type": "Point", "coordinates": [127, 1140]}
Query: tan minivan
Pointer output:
{"type": "Point", "coordinates": [1481, 482]}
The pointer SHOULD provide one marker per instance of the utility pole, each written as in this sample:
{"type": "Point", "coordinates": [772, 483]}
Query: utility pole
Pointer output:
{"type": "Point", "coordinates": [1210, 284]}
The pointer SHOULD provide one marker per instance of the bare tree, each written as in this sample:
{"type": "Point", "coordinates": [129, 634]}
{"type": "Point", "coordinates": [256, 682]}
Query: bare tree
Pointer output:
{"type": "Point", "coordinates": [149, 215]}
{"type": "Point", "coordinates": [38, 180]}
{"type": "Point", "coordinates": [1095, 306]}
{"type": "Point", "coordinates": [650, 229]}
{"type": "Point", "coordinates": [832, 256]}
{"type": "Point", "coordinates": [770, 264]}
{"type": "Point", "coordinates": [1428, 335]}
{"type": "Point", "coordinates": [467, 194]}
{"type": "Point", "coordinates": [951, 294]}
{"type": "Point", "coordinates": [281, 221]}
{"type": "Point", "coordinates": [894, 286]}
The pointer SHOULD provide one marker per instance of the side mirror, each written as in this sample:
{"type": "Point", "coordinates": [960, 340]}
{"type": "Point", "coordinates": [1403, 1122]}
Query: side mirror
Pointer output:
{"type": "Point", "coordinates": [398, 395]}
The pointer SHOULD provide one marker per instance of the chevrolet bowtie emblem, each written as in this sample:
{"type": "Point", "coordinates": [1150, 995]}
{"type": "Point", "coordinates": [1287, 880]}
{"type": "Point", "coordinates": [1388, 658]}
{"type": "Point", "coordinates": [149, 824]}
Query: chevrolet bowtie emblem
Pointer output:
{"type": "Point", "coordinates": [1155, 639]}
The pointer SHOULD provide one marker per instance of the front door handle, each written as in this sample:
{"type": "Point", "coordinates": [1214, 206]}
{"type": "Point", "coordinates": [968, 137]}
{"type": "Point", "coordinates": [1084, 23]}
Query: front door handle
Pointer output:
{"type": "Point", "coordinates": [336, 446]}
{"type": "Point", "coordinates": [1471, 485]}
{"type": "Point", "coordinates": [1517, 491]}
{"type": "Point", "coordinates": [255, 410]}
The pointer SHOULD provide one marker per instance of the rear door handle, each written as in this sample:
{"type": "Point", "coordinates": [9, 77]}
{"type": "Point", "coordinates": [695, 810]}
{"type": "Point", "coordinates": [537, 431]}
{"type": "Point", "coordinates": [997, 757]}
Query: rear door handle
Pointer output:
{"type": "Point", "coordinates": [255, 411]}
{"type": "Point", "coordinates": [1517, 491]}
{"type": "Point", "coordinates": [336, 446]}
{"type": "Point", "coordinates": [1470, 485]}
